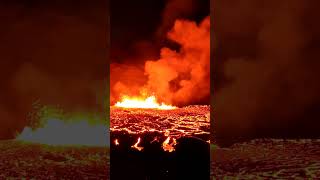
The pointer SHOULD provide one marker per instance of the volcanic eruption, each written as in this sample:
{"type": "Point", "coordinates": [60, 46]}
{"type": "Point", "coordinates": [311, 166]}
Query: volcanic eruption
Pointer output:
{"type": "Point", "coordinates": [179, 78]}
{"type": "Point", "coordinates": [160, 106]}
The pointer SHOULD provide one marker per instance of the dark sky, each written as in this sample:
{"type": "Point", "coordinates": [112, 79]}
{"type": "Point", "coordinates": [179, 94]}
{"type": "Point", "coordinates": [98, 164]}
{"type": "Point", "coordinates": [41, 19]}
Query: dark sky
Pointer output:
{"type": "Point", "coordinates": [266, 69]}
{"type": "Point", "coordinates": [138, 28]}
{"type": "Point", "coordinates": [54, 52]}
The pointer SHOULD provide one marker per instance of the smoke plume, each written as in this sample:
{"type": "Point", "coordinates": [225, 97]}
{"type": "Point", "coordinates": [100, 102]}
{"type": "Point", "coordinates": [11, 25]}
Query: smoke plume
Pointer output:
{"type": "Point", "coordinates": [266, 67]}
{"type": "Point", "coordinates": [181, 76]}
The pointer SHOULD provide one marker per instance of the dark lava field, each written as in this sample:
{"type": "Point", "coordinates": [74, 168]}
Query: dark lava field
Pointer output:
{"type": "Point", "coordinates": [19, 160]}
{"type": "Point", "coordinates": [267, 159]}
{"type": "Point", "coordinates": [160, 144]}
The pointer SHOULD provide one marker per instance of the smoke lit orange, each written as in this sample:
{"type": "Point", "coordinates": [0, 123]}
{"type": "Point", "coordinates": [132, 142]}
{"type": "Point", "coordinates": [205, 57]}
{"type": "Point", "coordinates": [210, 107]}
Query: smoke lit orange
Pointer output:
{"type": "Point", "coordinates": [136, 102]}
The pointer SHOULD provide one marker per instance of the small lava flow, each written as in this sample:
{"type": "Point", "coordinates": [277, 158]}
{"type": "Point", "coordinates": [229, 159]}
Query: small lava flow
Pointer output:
{"type": "Point", "coordinates": [172, 124]}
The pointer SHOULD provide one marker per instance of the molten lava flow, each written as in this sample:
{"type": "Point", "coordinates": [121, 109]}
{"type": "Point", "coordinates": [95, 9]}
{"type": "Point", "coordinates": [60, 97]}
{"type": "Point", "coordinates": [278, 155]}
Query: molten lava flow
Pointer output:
{"type": "Point", "coordinates": [169, 147]}
{"type": "Point", "coordinates": [116, 142]}
{"type": "Point", "coordinates": [59, 132]}
{"type": "Point", "coordinates": [136, 145]}
{"type": "Point", "coordinates": [149, 102]}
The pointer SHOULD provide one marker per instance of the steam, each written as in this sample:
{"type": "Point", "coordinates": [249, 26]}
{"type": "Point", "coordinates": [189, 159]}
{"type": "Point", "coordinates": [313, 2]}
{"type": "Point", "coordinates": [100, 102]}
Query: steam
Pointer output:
{"type": "Point", "coordinates": [179, 77]}
{"type": "Point", "coordinates": [174, 9]}
{"type": "Point", "coordinates": [183, 77]}
{"type": "Point", "coordinates": [268, 79]}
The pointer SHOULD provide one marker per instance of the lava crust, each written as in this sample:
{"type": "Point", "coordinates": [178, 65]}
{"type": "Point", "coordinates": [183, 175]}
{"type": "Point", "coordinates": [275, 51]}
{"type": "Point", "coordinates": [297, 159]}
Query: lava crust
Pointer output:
{"type": "Point", "coordinates": [160, 144]}
{"type": "Point", "coordinates": [187, 121]}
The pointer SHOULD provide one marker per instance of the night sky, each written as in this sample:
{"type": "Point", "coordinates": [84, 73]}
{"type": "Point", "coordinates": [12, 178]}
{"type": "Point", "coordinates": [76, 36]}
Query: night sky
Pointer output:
{"type": "Point", "coordinates": [139, 28]}
{"type": "Point", "coordinates": [52, 52]}
{"type": "Point", "coordinates": [266, 69]}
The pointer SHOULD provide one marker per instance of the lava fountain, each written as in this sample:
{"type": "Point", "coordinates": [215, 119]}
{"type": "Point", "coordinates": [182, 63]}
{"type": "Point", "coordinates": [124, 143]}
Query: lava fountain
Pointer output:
{"type": "Point", "coordinates": [146, 103]}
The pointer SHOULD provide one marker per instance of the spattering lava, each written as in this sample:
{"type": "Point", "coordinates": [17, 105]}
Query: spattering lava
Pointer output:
{"type": "Point", "coordinates": [172, 124]}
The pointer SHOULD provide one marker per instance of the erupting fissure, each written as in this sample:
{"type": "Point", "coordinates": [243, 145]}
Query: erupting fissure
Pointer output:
{"type": "Point", "coordinates": [137, 102]}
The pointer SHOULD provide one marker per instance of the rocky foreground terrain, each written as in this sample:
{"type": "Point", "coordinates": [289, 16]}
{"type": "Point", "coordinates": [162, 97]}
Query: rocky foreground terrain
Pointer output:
{"type": "Point", "coordinates": [20, 160]}
{"type": "Point", "coordinates": [267, 159]}
{"type": "Point", "coordinates": [160, 144]}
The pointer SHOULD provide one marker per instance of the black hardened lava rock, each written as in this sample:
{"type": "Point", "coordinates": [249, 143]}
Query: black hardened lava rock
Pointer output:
{"type": "Point", "coordinates": [190, 160]}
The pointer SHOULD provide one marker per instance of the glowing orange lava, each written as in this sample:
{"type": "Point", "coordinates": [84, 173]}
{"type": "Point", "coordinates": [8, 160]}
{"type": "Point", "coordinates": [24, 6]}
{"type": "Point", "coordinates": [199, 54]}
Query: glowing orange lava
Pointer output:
{"type": "Point", "coordinates": [169, 147]}
{"type": "Point", "coordinates": [116, 142]}
{"type": "Point", "coordinates": [136, 102]}
{"type": "Point", "coordinates": [136, 145]}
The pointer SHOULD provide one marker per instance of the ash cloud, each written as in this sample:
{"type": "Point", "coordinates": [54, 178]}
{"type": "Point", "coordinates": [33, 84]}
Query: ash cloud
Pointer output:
{"type": "Point", "coordinates": [183, 77]}
{"type": "Point", "coordinates": [266, 69]}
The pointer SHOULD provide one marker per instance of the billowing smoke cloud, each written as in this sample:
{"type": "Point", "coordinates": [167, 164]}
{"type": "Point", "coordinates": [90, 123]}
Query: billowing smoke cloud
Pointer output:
{"type": "Point", "coordinates": [180, 77]}
{"type": "Point", "coordinates": [267, 67]}
{"type": "Point", "coordinates": [125, 79]}
{"type": "Point", "coordinates": [183, 77]}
